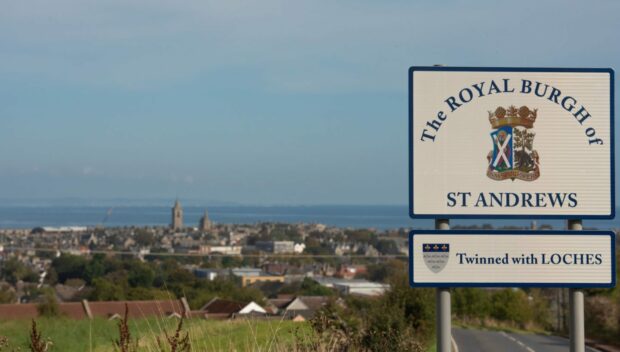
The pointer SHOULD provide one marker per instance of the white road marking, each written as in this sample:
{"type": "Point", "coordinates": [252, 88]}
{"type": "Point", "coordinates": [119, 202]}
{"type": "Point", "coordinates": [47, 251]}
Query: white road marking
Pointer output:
{"type": "Point", "coordinates": [527, 348]}
{"type": "Point", "coordinates": [455, 347]}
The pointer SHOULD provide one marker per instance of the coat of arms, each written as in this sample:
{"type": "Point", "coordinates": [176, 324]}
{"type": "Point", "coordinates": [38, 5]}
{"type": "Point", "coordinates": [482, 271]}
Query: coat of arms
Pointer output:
{"type": "Point", "coordinates": [513, 155]}
{"type": "Point", "coordinates": [436, 255]}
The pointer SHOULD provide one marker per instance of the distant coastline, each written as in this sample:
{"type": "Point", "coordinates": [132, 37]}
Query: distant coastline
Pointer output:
{"type": "Point", "coordinates": [353, 216]}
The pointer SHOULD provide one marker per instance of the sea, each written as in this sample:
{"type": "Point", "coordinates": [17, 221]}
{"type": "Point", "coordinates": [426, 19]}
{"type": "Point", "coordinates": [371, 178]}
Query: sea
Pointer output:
{"type": "Point", "coordinates": [381, 217]}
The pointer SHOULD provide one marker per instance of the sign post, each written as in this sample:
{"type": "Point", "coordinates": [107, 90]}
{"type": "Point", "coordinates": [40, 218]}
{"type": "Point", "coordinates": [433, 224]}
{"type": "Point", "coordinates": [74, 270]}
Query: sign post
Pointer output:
{"type": "Point", "coordinates": [443, 314]}
{"type": "Point", "coordinates": [577, 324]}
{"type": "Point", "coordinates": [443, 301]}
{"type": "Point", "coordinates": [511, 143]}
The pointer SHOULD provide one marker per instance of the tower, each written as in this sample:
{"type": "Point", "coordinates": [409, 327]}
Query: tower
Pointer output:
{"type": "Point", "coordinates": [205, 223]}
{"type": "Point", "coordinates": [177, 216]}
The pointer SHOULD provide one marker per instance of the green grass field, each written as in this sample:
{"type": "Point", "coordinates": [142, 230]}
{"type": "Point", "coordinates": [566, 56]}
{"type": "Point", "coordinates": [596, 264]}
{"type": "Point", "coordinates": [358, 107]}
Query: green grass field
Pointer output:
{"type": "Point", "coordinates": [205, 335]}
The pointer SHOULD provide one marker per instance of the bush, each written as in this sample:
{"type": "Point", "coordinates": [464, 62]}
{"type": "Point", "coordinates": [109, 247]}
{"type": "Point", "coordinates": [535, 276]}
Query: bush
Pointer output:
{"type": "Point", "coordinates": [512, 306]}
{"type": "Point", "coordinates": [602, 317]}
{"type": "Point", "coordinates": [400, 320]}
{"type": "Point", "coordinates": [107, 290]}
{"type": "Point", "coordinates": [470, 303]}
{"type": "Point", "coordinates": [49, 306]}
{"type": "Point", "coordinates": [7, 294]}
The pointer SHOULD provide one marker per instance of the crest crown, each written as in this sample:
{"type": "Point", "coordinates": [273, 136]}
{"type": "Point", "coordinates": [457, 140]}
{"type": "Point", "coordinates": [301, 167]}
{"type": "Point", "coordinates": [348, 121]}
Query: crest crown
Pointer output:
{"type": "Point", "coordinates": [513, 117]}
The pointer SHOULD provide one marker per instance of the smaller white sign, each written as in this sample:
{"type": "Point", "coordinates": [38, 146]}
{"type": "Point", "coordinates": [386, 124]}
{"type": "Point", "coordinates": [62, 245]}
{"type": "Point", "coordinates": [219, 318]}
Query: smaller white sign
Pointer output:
{"type": "Point", "coordinates": [512, 258]}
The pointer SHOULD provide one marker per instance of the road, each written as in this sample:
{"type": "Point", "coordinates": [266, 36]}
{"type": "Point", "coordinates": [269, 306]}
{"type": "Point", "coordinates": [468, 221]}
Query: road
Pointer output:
{"type": "Point", "coordinates": [492, 341]}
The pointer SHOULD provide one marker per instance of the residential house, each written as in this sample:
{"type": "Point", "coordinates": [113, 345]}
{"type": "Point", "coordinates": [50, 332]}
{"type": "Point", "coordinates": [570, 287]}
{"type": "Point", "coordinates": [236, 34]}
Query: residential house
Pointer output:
{"type": "Point", "coordinates": [209, 273]}
{"type": "Point", "coordinates": [296, 307]}
{"type": "Point", "coordinates": [222, 308]}
{"type": "Point", "coordinates": [358, 287]}
{"type": "Point", "coordinates": [350, 271]}
{"type": "Point", "coordinates": [299, 248]}
{"type": "Point", "coordinates": [278, 247]}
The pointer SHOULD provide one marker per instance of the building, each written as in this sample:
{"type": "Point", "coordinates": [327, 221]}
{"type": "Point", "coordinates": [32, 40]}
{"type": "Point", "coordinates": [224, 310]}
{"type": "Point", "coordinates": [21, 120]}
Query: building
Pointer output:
{"type": "Point", "coordinates": [361, 287]}
{"type": "Point", "coordinates": [58, 230]}
{"type": "Point", "coordinates": [353, 287]}
{"type": "Point", "coordinates": [208, 273]}
{"type": "Point", "coordinates": [251, 276]}
{"type": "Point", "coordinates": [223, 308]}
{"type": "Point", "coordinates": [299, 248]}
{"type": "Point", "coordinates": [350, 271]}
{"type": "Point", "coordinates": [177, 216]}
{"type": "Point", "coordinates": [227, 250]}
{"type": "Point", "coordinates": [277, 247]}
{"type": "Point", "coordinates": [250, 280]}
{"type": "Point", "coordinates": [205, 223]}
{"type": "Point", "coordinates": [246, 272]}
{"type": "Point", "coordinates": [309, 304]}
{"type": "Point", "coordinates": [102, 309]}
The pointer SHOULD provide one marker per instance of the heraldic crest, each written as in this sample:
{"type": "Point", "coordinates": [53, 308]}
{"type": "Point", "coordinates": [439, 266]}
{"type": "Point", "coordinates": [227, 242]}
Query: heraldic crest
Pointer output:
{"type": "Point", "coordinates": [436, 255]}
{"type": "Point", "coordinates": [513, 155]}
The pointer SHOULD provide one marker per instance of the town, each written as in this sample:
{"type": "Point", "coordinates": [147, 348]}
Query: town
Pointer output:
{"type": "Point", "coordinates": [256, 268]}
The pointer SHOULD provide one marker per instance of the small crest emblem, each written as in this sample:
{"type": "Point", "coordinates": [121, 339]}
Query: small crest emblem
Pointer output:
{"type": "Point", "coordinates": [513, 155]}
{"type": "Point", "coordinates": [436, 255]}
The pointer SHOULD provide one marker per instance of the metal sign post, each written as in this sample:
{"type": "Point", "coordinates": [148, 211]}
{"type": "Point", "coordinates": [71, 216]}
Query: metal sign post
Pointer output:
{"type": "Point", "coordinates": [577, 328]}
{"type": "Point", "coordinates": [443, 315]}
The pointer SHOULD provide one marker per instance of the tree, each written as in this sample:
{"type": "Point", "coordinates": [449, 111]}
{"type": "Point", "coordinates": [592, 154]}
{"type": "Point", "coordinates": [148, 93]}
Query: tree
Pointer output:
{"type": "Point", "coordinates": [52, 277]}
{"type": "Point", "coordinates": [381, 272]}
{"type": "Point", "coordinates": [248, 294]}
{"type": "Point", "coordinates": [310, 287]}
{"type": "Point", "coordinates": [69, 266]}
{"type": "Point", "coordinates": [365, 236]}
{"type": "Point", "coordinates": [177, 276]}
{"type": "Point", "coordinates": [511, 305]}
{"type": "Point", "coordinates": [95, 268]}
{"type": "Point", "coordinates": [471, 303]}
{"type": "Point", "coordinates": [385, 246]}
{"type": "Point", "coordinates": [106, 290]}
{"type": "Point", "coordinates": [141, 275]}
{"type": "Point", "coordinates": [14, 270]}
{"type": "Point", "coordinates": [231, 261]}
{"type": "Point", "coordinates": [7, 295]}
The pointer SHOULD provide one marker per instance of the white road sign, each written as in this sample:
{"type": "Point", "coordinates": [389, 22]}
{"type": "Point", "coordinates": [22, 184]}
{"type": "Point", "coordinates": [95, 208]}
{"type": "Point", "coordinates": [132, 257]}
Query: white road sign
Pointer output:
{"type": "Point", "coordinates": [512, 258]}
{"type": "Point", "coordinates": [511, 142]}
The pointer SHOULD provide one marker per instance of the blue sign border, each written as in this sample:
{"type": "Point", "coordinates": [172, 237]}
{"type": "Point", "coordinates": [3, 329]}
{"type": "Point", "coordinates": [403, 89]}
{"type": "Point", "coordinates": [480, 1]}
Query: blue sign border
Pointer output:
{"type": "Point", "coordinates": [412, 282]}
{"type": "Point", "coordinates": [511, 69]}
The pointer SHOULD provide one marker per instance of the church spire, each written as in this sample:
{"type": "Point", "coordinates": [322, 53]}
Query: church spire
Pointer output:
{"type": "Point", "coordinates": [177, 216]}
{"type": "Point", "coordinates": [205, 223]}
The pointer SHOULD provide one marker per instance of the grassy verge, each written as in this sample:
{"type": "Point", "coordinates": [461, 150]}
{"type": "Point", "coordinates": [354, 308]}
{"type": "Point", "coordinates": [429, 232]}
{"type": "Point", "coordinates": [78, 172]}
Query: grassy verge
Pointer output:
{"type": "Point", "coordinates": [432, 348]}
{"type": "Point", "coordinates": [99, 335]}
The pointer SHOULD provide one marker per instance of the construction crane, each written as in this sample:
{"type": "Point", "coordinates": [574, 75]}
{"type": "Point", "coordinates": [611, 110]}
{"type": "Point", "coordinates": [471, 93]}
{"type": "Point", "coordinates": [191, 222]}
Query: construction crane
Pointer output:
{"type": "Point", "coordinates": [108, 213]}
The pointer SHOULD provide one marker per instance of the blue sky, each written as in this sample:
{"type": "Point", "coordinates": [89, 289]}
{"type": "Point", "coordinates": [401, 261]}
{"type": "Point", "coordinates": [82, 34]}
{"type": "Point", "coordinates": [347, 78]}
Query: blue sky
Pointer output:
{"type": "Point", "coordinates": [255, 102]}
